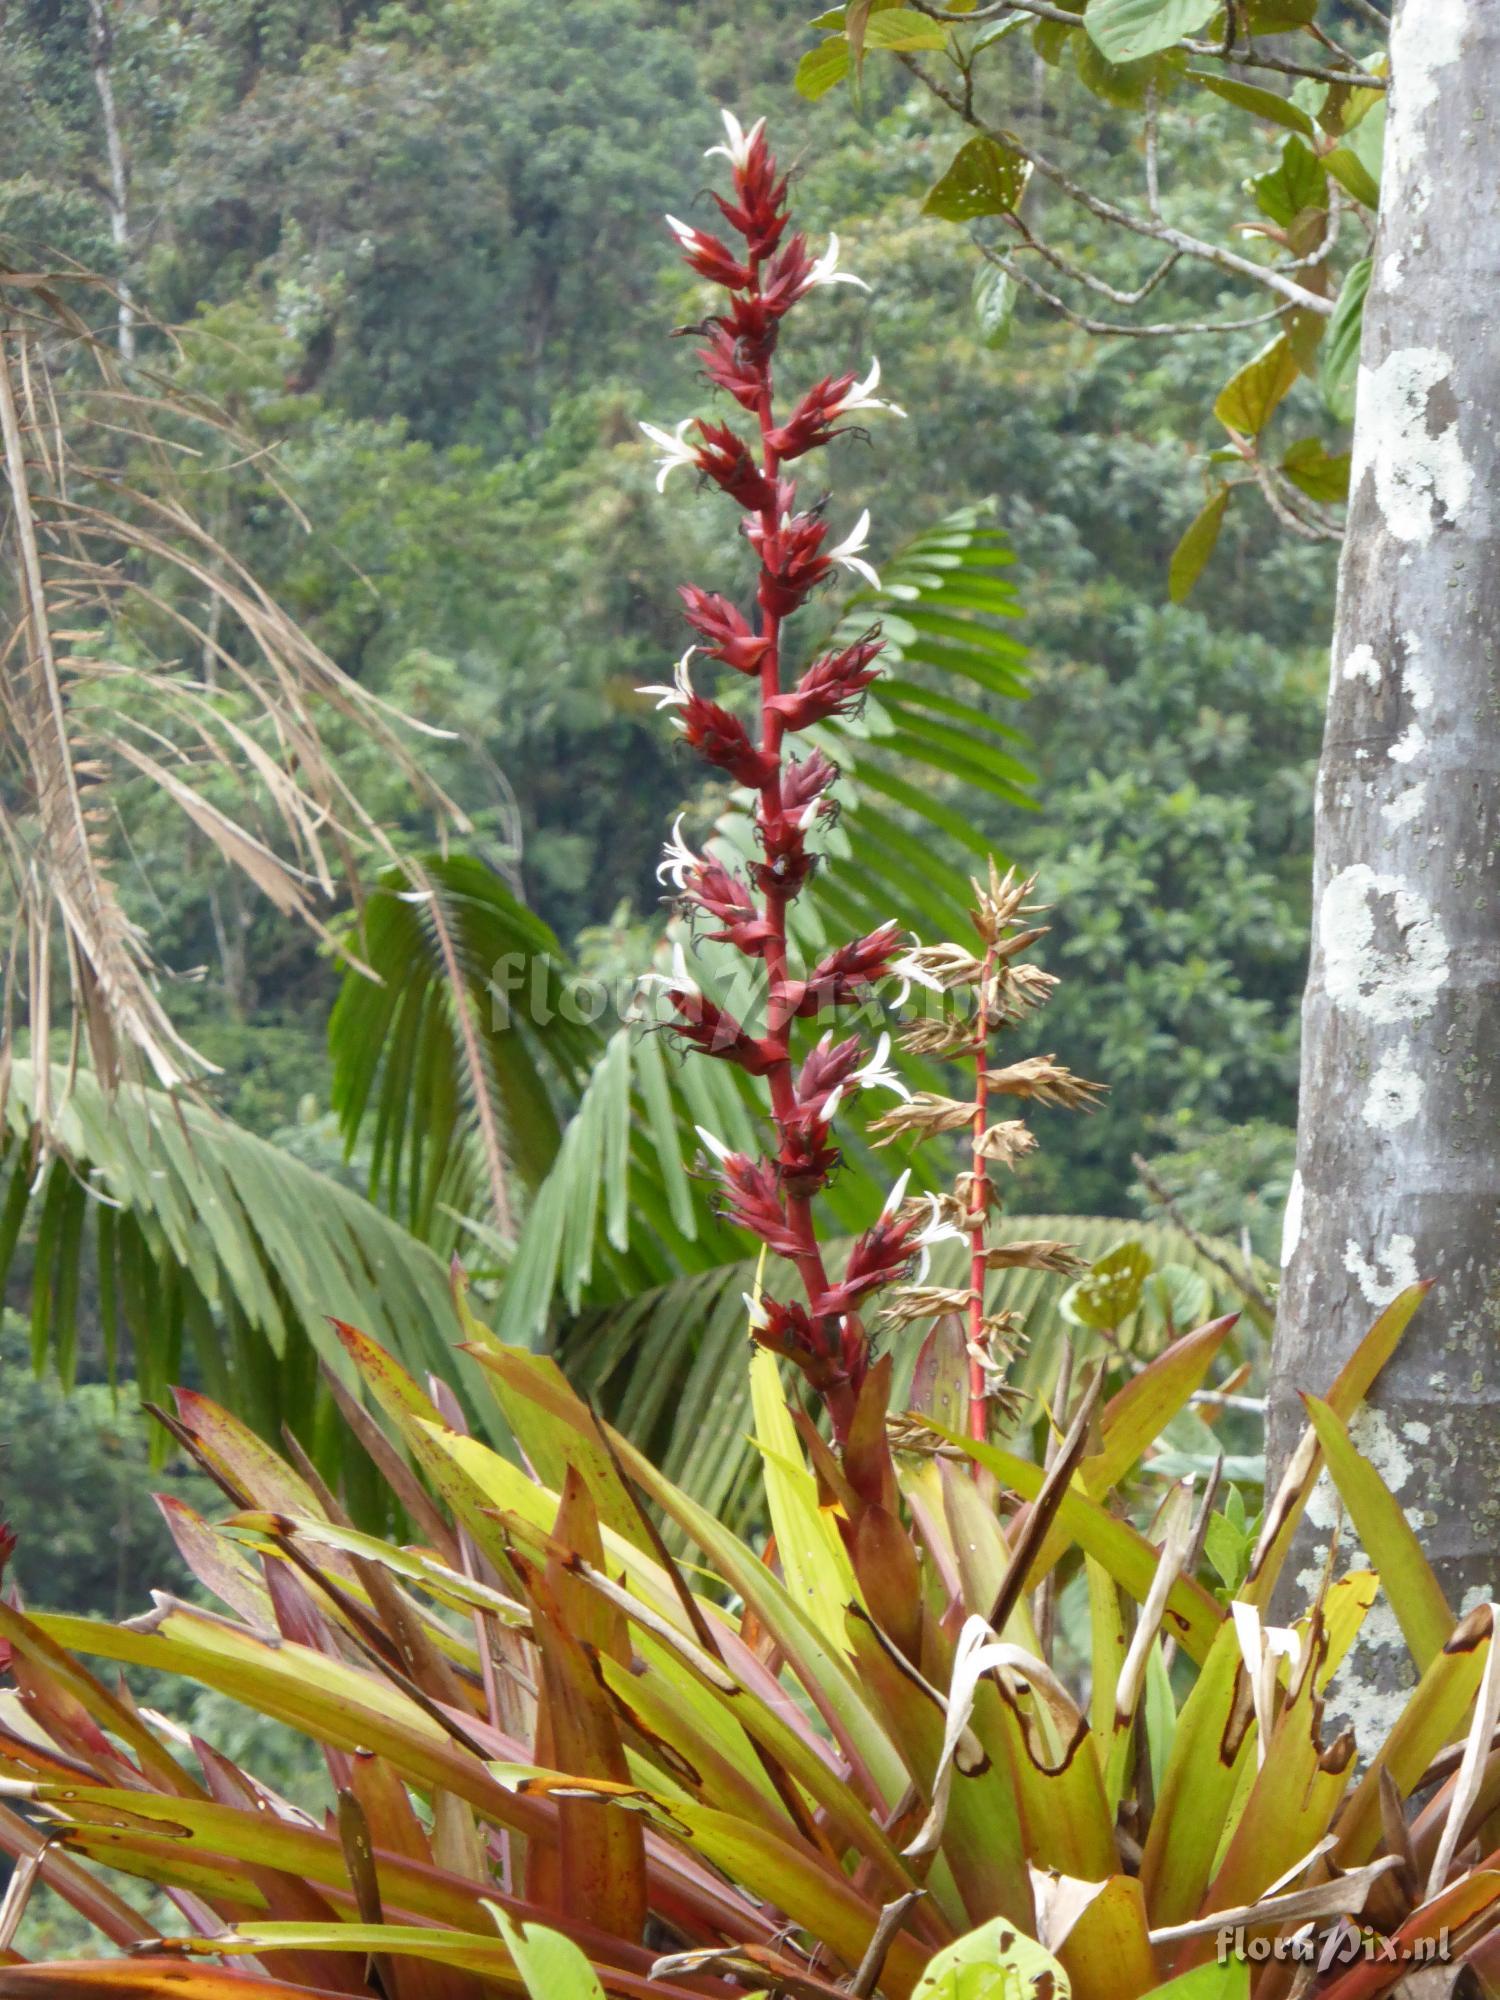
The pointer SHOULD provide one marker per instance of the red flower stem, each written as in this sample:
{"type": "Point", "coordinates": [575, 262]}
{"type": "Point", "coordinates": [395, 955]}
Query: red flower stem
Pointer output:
{"type": "Point", "coordinates": [979, 1190]}
{"type": "Point", "coordinates": [779, 1010]}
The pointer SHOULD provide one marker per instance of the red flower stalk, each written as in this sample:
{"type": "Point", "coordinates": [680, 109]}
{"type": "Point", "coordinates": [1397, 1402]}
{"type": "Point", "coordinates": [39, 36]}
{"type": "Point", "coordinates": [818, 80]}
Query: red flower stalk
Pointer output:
{"type": "Point", "coordinates": [773, 1197]}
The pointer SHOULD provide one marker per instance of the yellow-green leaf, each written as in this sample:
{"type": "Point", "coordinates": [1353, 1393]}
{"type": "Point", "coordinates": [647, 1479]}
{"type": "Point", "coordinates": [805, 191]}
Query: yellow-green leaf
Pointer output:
{"type": "Point", "coordinates": [813, 1559]}
{"type": "Point", "coordinates": [1249, 398]}
{"type": "Point", "coordinates": [823, 68]}
{"type": "Point", "coordinates": [994, 1963]}
{"type": "Point", "coordinates": [1198, 543]}
{"type": "Point", "coordinates": [985, 177]}
{"type": "Point", "coordinates": [1259, 103]}
{"type": "Point", "coordinates": [1414, 1592]}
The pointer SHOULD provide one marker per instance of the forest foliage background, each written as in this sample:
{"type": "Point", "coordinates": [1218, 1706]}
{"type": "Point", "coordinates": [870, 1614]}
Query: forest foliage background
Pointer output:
{"type": "Point", "coordinates": [419, 250]}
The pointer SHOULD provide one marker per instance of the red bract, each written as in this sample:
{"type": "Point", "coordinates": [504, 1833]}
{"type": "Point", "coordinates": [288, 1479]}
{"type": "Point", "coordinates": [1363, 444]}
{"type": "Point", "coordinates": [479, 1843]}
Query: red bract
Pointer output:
{"type": "Point", "coordinates": [803, 784]}
{"type": "Point", "coordinates": [847, 973]}
{"type": "Point", "coordinates": [726, 459]}
{"type": "Point", "coordinates": [757, 211]}
{"type": "Point", "coordinates": [806, 1158]}
{"type": "Point", "coordinates": [812, 422]}
{"type": "Point", "coordinates": [721, 738]}
{"type": "Point", "coordinates": [833, 685]}
{"type": "Point", "coordinates": [718, 894]}
{"type": "Point", "coordinates": [709, 257]}
{"type": "Point", "coordinates": [827, 1068]}
{"type": "Point", "coordinates": [772, 1198]}
{"type": "Point", "coordinates": [736, 362]}
{"type": "Point", "coordinates": [791, 558]}
{"type": "Point", "coordinates": [713, 1032]}
{"type": "Point", "coordinates": [751, 1196]}
{"type": "Point", "coordinates": [726, 633]}
{"type": "Point", "coordinates": [880, 1256]}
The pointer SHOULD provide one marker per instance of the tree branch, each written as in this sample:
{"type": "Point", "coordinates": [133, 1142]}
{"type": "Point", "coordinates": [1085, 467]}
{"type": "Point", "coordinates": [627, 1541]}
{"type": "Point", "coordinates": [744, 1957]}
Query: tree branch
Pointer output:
{"type": "Point", "coordinates": [1123, 218]}
{"type": "Point", "coordinates": [1158, 330]}
{"type": "Point", "coordinates": [1249, 57]}
{"type": "Point", "coordinates": [1079, 276]}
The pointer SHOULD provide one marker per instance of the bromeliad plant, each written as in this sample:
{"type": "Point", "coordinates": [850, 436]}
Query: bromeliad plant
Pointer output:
{"type": "Point", "coordinates": [744, 1776]}
{"type": "Point", "coordinates": [849, 1765]}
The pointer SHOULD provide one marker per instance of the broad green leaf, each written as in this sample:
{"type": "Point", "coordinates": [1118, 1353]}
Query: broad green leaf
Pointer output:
{"type": "Point", "coordinates": [1277, 17]}
{"type": "Point", "coordinates": [904, 28]}
{"type": "Point", "coordinates": [1298, 182]}
{"type": "Point", "coordinates": [994, 1963]}
{"type": "Point", "coordinates": [1230, 1981]}
{"type": "Point", "coordinates": [985, 177]}
{"type": "Point", "coordinates": [1124, 30]}
{"type": "Point", "coordinates": [1266, 104]}
{"type": "Point", "coordinates": [823, 68]}
{"type": "Point", "coordinates": [1051, 39]}
{"type": "Point", "coordinates": [994, 306]}
{"type": "Point", "coordinates": [1353, 176]}
{"type": "Point", "coordinates": [1248, 400]}
{"type": "Point", "coordinates": [1109, 1292]}
{"type": "Point", "coordinates": [1341, 344]}
{"type": "Point", "coordinates": [552, 1966]}
{"type": "Point", "coordinates": [1317, 472]}
{"type": "Point", "coordinates": [1125, 84]}
{"type": "Point", "coordinates": [1198, 543]}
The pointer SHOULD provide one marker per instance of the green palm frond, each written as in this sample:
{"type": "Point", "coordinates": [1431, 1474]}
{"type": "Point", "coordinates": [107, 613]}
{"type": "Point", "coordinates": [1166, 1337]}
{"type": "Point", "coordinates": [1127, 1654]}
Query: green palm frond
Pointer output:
{"type": "Point", "coordinates": [211, 1248]}
{"type": "Point", "coordinates": [667, 1365]}
{"type": "Point", "coordinates": [458, 1061]}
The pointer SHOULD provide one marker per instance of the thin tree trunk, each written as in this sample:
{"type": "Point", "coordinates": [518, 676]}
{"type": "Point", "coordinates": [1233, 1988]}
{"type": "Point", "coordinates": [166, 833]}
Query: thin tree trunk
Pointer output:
{"type": "Point", "coordinates": [101, 42]}
{"type": "Point", "coordinates": [1398, 1157]}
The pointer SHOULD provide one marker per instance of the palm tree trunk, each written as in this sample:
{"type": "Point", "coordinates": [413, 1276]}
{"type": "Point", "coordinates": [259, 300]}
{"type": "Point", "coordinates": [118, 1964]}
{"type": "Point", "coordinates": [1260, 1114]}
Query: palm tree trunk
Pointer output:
{"type": "Point", "coordinates": [1398, 1159]}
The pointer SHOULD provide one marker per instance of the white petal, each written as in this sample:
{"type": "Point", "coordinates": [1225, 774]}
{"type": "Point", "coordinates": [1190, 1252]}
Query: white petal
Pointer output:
{"type": "Point", "coordinates": [897, 1194]}
{"type": "Point", "coordinates": [862, 568]}
{"type": "Point", "coordinates": [856, 538]}
{"type": "Point", "coordinates": [714, 1144]}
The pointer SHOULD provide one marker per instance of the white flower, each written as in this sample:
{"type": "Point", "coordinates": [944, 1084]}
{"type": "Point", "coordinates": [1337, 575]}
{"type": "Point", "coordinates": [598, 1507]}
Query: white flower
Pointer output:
{"type": "Point", "coordinates": [674, 448]}
{"type": "Point", "coordinates": [934, 1230]}
{"type": "Point", "coordinates": [759, 1317]}
{"type": "Point", "coordinates": [911, 973]}
{"type": "Point", "coordinates": [831, 1104]}
{"type": "Point", "coordinates": [677, 859]}
{"type": "Point", "coordinates": [737, 152]}
{"type": "Point", "coordinates": [877, 1073]}
{"type": "Point", "coordinates": [862, 397]}
{"type": "Point", "coordinates": [848, 550]}
{"type": "Point", "coordinates": [678, 980]}
{"type": "Point", "coordinates": [826, 271]}
{"type": "Point", "coordinates": [714, 1144]}
{"type": "Point", "coordinates": [897, 1195]}
{"type": "Point", "coordinates": [680, 693]}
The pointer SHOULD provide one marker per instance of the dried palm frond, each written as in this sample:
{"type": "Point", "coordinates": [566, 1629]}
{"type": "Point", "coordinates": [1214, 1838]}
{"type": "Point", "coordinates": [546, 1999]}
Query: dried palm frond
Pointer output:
{"type": "Point", "coordinates": [135, 645]}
